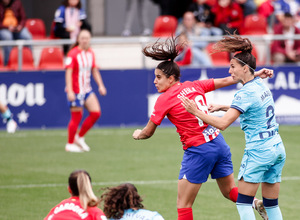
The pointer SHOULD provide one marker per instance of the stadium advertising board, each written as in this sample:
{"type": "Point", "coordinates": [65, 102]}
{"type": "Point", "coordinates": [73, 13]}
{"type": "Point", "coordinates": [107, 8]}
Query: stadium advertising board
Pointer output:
{"type": "Point", "coordinates": [37, 99]}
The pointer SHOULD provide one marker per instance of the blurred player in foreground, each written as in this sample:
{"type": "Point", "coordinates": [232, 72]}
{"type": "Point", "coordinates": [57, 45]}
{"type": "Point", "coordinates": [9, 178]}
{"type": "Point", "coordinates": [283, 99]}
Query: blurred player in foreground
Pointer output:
{"type": "Point", "coordinates": [123, 202]}
{"type": "Point", "coordinates": [264, 155]}
{"type": "Point", "coordinates": [205, 150]}
{"type": "Point", "coordinates": [80, 65]}
{"type": "Point", "coordinates": [6, 114]}
{"type": "Point", "coordinates": [82, 204]}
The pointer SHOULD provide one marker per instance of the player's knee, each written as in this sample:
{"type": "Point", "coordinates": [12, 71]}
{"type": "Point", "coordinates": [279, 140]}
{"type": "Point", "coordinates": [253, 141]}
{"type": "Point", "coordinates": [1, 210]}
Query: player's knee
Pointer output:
{"type": "Point", "coordinates": [76, 117]}
{"type": "Point", "coordinates": [95, 115]}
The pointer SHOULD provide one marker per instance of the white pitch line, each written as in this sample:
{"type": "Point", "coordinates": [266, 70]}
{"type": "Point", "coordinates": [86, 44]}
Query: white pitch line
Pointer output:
{"type": "Point", "coordinates": [150, 182]}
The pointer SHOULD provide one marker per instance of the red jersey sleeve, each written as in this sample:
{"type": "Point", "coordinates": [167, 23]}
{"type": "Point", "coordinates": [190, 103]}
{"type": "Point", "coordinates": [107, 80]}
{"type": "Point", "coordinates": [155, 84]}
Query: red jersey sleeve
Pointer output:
{"type": "Point", "coordinates": [70, 60]}
{"type": "Point", "coordinates": [94, 65]}
{"type": "Point", "coordinates": [160, 109]}
{"type": "Point", "coordinates": [206, 85]}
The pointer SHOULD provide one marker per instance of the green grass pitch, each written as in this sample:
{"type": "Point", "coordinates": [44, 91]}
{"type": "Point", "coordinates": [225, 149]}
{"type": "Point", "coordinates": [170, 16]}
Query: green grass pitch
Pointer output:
{"type": "Point", "coordinates": [35, 167]}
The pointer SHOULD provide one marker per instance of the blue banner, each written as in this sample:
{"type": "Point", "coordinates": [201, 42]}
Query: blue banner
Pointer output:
{"type": "Point", "coordinates": [37, 99]}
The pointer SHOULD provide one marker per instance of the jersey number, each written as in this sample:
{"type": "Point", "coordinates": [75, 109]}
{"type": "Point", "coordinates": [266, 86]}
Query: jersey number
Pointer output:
{"type": "Point", "coordinates": [269, 113]}
{"type": "Point", "coordinates": [270, 110]}
{"type": "Point", "coordinates": [199, 100]}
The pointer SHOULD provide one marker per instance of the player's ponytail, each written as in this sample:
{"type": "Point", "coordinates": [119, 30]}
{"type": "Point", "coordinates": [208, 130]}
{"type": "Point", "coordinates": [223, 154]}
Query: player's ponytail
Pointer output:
{"type": "Point", "coordinates": [241, 46]}
{"type": "Point", "coordinates": [80, 185]}
{"type": "Point", "coordinates": [167, 52]}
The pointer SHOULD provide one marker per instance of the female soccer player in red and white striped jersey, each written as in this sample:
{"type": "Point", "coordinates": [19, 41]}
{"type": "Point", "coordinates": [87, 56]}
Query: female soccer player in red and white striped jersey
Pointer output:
{"type": "Point", "coordinates": [80, 65]}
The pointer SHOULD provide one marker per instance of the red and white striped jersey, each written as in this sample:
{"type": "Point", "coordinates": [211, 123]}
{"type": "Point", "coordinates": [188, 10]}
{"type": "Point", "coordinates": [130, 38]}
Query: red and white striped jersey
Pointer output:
{"type": "Point", "coordinates": [81, 62]}
{"type": "Point", "coordinates": [192, 130]}
{"type": "Point", "coordinates": [71, 209]}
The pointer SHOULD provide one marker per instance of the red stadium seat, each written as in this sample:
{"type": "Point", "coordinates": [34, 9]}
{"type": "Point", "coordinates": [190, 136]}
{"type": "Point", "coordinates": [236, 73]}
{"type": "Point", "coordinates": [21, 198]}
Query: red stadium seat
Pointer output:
{"type": "Point", "coordinates": [219, 58]}
{"type": "Point", "coordinates": [52, 35]}
{"type": "Point", "coordinates": [27, 57]}
{"type": "Point", "coordinates": [210, 2]}
{"type": "Point", "coordinates": [51, 59]}
{"type": "Point", "coordinates": [164, 26]}
{"type": "Point", "coordinates": [1, 59]}
{"type": "Point", "coordinates": [2, 67]}
{"type": "Point", "coordinates": [36, 27]}
{"type": "Point", "coordinates": [254, 24]}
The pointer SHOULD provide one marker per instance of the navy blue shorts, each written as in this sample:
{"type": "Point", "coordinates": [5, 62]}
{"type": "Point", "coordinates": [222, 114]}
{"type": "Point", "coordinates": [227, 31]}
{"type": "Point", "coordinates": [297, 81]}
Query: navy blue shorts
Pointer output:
{"type": "Point", "coordinates": [80, 100]}
{"type": "Point", "coordinates": [212, 158]}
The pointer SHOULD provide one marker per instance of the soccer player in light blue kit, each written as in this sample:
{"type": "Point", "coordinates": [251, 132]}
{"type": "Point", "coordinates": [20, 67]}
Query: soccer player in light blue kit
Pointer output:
{"type": "Point", "coordinates": [123, 202]}
{"type": "Point", "coordinates": [264, 155]}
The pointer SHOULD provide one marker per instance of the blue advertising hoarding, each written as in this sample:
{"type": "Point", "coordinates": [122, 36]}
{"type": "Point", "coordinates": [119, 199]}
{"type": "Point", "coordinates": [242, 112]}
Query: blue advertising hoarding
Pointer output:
{"type": "Point", "coordinates": [37, 99]}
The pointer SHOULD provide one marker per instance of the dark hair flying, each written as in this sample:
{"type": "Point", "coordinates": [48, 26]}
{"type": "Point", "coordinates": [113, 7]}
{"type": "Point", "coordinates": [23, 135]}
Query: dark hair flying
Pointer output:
{"type": "Point", "coordinates": [165, 51]}
{"type": "Point", "coordinates": [241, 46]}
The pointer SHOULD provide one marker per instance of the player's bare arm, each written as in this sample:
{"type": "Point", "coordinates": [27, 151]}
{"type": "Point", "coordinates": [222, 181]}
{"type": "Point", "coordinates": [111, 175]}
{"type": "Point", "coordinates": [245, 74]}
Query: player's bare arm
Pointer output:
{"type": "Point", "coordinates": [219, 122]}
{"type": "Point", "coordinates": [216, 107]}
{"type": "Point", "coordinates": [227, 81]}
{"type": "Point", "coordinates": [98, 79]}
{"type": "Point", "coordinates": [146, 133]}
{"type": "Point", "coordinates": [69, 88]}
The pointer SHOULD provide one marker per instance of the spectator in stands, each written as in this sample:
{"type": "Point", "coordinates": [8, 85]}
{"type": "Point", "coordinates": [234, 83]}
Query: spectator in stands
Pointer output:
{"type": "Point", "coordinates": [266, 9]}
{"type": "Point", "coordinates": [204, 17]}
{"type": "Point", "coordinates": [190, 27]}
{"type": "Point", "coordinates": [12, 24]}
{"type": "Point", "coordinates": [80, 65]}
{"type": "Point", "coordinates": [82, 204]}
{"type": "Point", "coordinates": [124, 202]}
{"type": "Point", "coordinates": [69, 20]}
{"type": "Point", "coordinates": [283, 6]}
{"type": "Point", "coordinates": [83, 5]}
{"type": "Point", "coordinates": [173, 7]}
{"type": "Point", "coordinates": [248, 6]}
{"type": "Point", "coordinates": [228, 16]}
{"type": "Point", "coordinates": [7, 116]}
{"type": "Point", "coordinates": [141, 7]}
{"type": "Point", "coordinates": [286, 50]}
{"type": "Point", "coordinates": [185, 51]}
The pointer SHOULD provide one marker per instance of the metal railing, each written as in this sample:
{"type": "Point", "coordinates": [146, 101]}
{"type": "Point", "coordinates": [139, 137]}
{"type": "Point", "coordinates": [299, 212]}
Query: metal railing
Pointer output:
{"type": "Point", "coordinates": [265, 39]}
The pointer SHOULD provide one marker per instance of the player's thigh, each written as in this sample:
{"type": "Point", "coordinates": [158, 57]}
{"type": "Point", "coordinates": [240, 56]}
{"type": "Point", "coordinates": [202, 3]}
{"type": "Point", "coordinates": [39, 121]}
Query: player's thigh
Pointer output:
{"type": "Point", "coordinates": [76, 109]}
{"type": "Point", "coordinates": [187, 193]}
{"type": "Point", "coordinates": [92, 104]}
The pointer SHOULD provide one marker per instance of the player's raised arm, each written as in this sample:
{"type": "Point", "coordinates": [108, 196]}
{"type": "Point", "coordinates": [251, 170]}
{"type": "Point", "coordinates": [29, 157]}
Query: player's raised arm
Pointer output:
{"type": "Point", "coordinates": [227, 81]}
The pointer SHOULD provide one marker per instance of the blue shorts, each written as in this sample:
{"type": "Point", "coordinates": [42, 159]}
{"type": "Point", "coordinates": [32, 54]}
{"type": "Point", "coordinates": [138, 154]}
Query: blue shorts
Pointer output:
{"type": "Point", "coordinates": [213, 158]}
{"type": "Point", "coordinates": [79, 100]}
{"type": "Point", "coordinates": [263, 165]}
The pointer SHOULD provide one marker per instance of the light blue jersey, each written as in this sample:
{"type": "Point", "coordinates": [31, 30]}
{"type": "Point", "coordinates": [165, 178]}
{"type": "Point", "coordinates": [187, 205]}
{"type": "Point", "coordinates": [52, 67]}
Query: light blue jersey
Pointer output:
{"type": "Point", "coordinates": [140, 214]}
{"type": "Point", "coordinates": [255, 102]}
{"type": "Point", "coordinates": [264, 156]}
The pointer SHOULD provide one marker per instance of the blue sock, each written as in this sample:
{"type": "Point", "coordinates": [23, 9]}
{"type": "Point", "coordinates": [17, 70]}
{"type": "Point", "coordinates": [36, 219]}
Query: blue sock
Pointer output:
{"type": "Point", "coordinates": [244, 207]}
{"type": "Point", "coordinates": [272, 208]}
{"type": "Point", "coordinates": [6, 115]}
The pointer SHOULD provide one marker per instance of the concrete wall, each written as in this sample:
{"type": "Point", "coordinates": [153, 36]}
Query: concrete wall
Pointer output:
{"type": "Point", "coordinates": [106, 16]}
{"type": "Point", "coordinates": [115, 17]}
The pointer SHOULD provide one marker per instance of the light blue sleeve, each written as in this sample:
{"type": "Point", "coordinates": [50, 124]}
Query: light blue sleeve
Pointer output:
{"type": "Point", "coordinates": [242, 101]}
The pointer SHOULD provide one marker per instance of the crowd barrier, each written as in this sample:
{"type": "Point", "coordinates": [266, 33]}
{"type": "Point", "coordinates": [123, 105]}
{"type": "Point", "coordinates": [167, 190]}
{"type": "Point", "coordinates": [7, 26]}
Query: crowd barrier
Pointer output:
{"type": "Point", "coordinates": [263, 42]}
{"type": "Point", "coordinates": [38, 100]}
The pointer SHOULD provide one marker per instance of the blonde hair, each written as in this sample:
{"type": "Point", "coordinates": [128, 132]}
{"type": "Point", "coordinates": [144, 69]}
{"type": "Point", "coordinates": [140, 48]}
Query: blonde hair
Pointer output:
{"type": "Point", "coordinates": [80, 185]}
